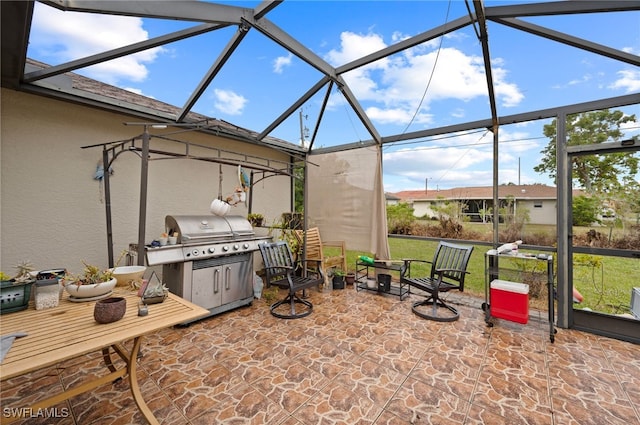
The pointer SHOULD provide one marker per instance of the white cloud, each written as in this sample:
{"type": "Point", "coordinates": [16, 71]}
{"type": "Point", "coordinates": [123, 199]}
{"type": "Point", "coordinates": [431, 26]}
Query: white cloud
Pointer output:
{"type": "Point", "coordinates": [629, 81]}
{"type": "Point", "coordinates": [354, 46]}
{"type": "Point", "coordinates": [280, 62]}
{"type": "Point", "coordinates": [446, 162]}
{"type": "Point", "coordinates": [134, 90]}
{"type": "Point", "coordinates": [396, 115]}
{"type": "Point", "coordinates": [65, 36]}
{"type": "Point", "coordinates": [462, 160]}
{"type": "Point", "coordinates": [444, 167]}
{"type": "Point", "coordinates": [396, 84]}
{"type": "Point", "coordinates": [229, 102]}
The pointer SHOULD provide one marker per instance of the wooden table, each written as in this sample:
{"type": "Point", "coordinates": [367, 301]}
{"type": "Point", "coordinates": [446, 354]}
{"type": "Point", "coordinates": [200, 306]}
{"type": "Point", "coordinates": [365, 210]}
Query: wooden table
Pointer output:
{"type": "Point", "coordinates": [69, 330]}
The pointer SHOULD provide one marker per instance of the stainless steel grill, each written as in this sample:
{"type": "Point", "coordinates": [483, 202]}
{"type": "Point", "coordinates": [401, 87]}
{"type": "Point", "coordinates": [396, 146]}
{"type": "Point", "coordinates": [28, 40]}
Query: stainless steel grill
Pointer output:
{"type": "Point", "coordinates": [211, 264]}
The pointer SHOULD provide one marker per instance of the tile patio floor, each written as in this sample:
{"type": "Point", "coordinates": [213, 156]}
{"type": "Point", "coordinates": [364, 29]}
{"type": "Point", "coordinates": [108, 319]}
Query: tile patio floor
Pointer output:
{"type": "Point", "coordinates": [360, 358]}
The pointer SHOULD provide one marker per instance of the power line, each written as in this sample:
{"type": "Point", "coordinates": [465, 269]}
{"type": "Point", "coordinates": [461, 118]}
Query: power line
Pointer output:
{"type": "Point", "coordinates": [433, 71]}
{"type": "Point", "coordinates": [470, 144]}
{"type": "Point", "coordinates": [463, 155]}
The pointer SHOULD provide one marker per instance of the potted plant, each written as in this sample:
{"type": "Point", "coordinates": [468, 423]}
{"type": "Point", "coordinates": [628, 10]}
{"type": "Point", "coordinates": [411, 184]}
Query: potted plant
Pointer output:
{"type": "Point", "coordinates": [91, 283]}
{"type": "Point", "coordinates": [338, 278]}
{"type": "Point", "coordinates": [16, 291]}
{"type": "Point", "coordinates": [256, 219]}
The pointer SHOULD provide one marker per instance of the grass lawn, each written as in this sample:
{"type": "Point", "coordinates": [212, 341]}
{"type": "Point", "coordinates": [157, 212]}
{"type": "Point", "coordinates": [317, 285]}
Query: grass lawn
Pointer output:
{"type": "Point", "coordinates": [605, 282]}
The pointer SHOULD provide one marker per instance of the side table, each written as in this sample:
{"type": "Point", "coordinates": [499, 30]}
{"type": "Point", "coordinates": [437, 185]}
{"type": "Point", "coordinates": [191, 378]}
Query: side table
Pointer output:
{"type": "Point", "coordinates": [363, 274]}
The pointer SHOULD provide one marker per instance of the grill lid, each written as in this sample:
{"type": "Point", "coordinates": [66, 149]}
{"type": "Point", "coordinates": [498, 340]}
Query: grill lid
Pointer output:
{"type": "Point", "coordinates": [202, 228]}
{"type": "Point", "coordinates": [240, 226]}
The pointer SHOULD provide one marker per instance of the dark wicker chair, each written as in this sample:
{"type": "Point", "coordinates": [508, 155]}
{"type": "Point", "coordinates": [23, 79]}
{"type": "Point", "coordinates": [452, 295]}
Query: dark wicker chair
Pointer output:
{"type": "Point", "coordinates": [448, 270]}
{"type": "Point", "coordinates": [282, 270]}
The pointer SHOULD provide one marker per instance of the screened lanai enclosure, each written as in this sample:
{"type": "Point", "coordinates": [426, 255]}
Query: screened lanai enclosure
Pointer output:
{"type": "Point", "coordinates": [395, 99]}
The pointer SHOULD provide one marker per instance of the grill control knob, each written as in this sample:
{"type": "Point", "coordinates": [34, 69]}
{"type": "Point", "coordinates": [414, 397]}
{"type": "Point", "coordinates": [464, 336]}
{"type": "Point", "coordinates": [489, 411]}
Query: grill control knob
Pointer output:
{"type": "Point", "coordinates": [211, 250]}
{"type": "Point", "coordinates": [225, 248]}
{"type": "Point", "coordinates": [236, 247]}
{"type": "Point", "coordinates": [245, 246]}
{"type": "Point", "coordinates": [195, 252]}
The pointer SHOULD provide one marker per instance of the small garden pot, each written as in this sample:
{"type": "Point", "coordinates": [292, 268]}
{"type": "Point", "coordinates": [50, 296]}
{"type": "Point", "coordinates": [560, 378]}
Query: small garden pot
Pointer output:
{"type": "Point", "coordinates": [350, 278]}
{"type": "Point", "coordinates": [338, 282]}
{"type": "Point", "coordinates": [110, 310]}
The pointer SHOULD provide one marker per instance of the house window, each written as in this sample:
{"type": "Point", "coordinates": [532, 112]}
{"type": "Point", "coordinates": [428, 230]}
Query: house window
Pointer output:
{"type": "Point", "coordinates": [537, 204]}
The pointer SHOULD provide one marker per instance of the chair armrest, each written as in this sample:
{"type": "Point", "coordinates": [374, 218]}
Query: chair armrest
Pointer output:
{"type": "Point", "coordinates": [411, 260]}
{"type": "Point", "coordinates": [405, 272]}
{"type": "Point", "coordinates": [278, 267]}
{"type": "Point", "coordinates": [318, 267]}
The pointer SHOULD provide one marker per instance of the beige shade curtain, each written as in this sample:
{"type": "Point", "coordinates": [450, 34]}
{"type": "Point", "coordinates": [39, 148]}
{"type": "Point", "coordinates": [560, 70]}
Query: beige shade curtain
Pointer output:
{"type": "Point", "coordinates": [346, 199]}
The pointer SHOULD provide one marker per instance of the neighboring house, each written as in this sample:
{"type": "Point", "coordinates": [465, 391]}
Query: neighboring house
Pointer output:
{"type": "Point", "coordinates": [538, 199]}
{"type": "Point", "coordinates": [392, 199]}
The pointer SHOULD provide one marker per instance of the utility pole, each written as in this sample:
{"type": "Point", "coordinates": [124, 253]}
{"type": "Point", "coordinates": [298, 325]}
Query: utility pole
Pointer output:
{"type": "Point", "coordinates": [518, 171]}
{"type": "Point", "coordinates": [304, 131]}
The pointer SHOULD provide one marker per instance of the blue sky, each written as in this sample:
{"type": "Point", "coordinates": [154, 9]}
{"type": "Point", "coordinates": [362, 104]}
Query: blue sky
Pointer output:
{"type": "Point", "coordinates": [438, 83]}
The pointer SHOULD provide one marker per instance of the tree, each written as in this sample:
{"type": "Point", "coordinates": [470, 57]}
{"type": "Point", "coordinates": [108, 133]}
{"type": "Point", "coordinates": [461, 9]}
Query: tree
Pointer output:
{"type": "Point", "coordinates": [585, 211]}
{"type": "Point", "coordinates": [400, 218]}
{"type": "Point", "coordinates": [298, 186]}
{"type": "Point", "coordinates": [595, 173]}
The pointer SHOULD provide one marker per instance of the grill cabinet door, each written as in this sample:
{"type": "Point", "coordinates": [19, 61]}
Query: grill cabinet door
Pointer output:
{"type": "Point", "coordinates": [235, 286]}
{"type": "Point", "coordinates": [206, 289]}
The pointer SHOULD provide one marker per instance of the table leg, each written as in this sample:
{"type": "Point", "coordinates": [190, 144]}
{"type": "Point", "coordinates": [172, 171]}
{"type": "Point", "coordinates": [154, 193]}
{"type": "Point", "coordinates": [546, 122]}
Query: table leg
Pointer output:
{"type": "Point", "coordinates": [133, 383]}
{"type": "Point", "coordinates": [552, 314]}
{"type": "Point", "coordinates": [106, 356]}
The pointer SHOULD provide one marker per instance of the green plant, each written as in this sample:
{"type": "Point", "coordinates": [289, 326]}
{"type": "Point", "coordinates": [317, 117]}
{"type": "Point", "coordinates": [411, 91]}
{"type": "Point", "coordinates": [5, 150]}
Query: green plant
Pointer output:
{"type": "Point", "coordinates": [285, 233]}
{"type": "Point", "coordinates": [270, 294]}
{"type": "Point", "coordinates": [338, 272]}
{"type": "Point", "coordinates": [400, 218]}
{"type": "Point", "coordinates": [24, 270]}
{"type": "Point", "coordinates": [256, 219]}
{"type": "Point", "coordinates": [585, 211]}
{"type": "Point", "coordinates": [90, 275]}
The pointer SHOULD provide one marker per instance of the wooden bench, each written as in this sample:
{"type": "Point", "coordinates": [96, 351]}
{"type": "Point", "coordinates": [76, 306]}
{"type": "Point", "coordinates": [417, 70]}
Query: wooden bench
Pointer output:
{"type": "Point", "coordinates": [283, 271]}
{"type": "Point", "coordinates": [448, 270]}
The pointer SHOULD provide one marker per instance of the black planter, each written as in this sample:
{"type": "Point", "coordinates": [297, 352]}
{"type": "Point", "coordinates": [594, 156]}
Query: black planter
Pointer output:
{"type": "Point", "coordinates": [338, 282]}
{"type": "Point", "coordinates": [384, 282]}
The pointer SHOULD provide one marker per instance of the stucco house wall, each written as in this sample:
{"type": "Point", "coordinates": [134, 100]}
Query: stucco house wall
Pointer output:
{"type": "Point", "coordinates": [52, 210]}
{"type": "Point", "coordinates": [422, 209]}
{"type": "Point", "coordinates": [540, 211]}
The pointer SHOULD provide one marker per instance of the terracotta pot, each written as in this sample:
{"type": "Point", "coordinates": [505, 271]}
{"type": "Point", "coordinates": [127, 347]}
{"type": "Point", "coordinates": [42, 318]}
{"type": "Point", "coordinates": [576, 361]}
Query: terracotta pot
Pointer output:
{"type": "Point", "coordinates": [110, 310]}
